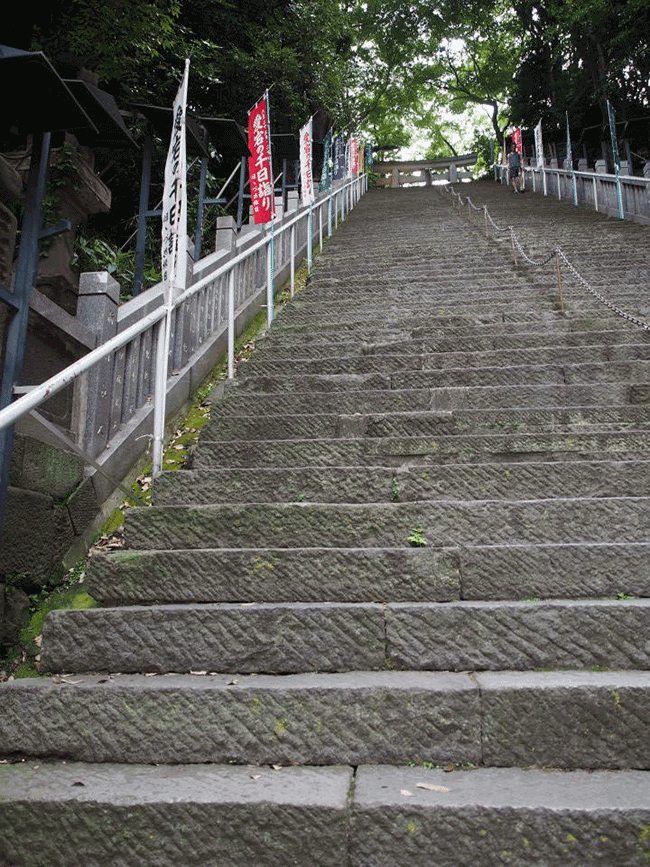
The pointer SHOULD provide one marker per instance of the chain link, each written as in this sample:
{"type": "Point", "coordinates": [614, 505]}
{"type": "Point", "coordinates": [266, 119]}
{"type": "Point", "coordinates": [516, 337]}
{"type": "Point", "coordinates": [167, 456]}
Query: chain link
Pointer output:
{"type": "Point", "coordinates": [558, 253]}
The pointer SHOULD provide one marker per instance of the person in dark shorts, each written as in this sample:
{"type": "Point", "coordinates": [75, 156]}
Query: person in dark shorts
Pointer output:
{"type": "Point", "coordinates": [514, 169]}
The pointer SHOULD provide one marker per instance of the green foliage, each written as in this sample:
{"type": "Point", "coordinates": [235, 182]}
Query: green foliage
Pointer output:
{"type": "Point", "coordinates": [416, 538]}
{"type": "Point", "coordinates": [94, 254]}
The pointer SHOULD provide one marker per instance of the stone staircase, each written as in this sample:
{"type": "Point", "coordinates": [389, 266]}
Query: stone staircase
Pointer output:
{"type": "Point", "coordinates": [398, 612]}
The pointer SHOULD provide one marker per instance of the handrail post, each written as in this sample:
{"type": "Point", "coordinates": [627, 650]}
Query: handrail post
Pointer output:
{"type": "Point", "coordinates": [231, 323]}
{"type": "Point", "coordinates": [292, 256]}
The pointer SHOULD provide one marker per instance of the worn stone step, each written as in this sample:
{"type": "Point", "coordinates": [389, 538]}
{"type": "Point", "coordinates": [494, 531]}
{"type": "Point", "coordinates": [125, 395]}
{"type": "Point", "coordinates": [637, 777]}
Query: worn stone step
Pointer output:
{"type": "Point", "coordinates": [398, 451]}
{"type": "Point", "coordinates": [405, 484]}
{"type": "Point", "coordinates": [567, 719]}
{"type": "Point", "coordinates": [480, 572]}
{"type": "Point", "coordinates": [266, 349]}
{"type": "Point", "coordinates": [329, 364]}
{"type": "Point", "coordinates": [488, 816]}
{"type": "Point", "coordinates": [440, 523]}
{"type": "Point", "coordinates": [238, 402]}
{"type": "Point", "coordinates": [484, 323]}
{"type": "Point", "coordinates": [64, 813]}
{"type": "Point", "coordinates": [284, 638]}
{"type": "Point", "coordinates": [329, 816]}
{"type": "Point", "coordinates": [290, 574]}
{"type": "Point", "coordinates": [524, 374]}
{"type": "Point", "coordinates": [225, 426]}
{"type": "Point", "coordinates": [304, 719]}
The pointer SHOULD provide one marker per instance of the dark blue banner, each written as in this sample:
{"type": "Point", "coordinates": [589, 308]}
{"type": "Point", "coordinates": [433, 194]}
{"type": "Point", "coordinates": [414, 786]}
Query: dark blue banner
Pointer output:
{"type": "Point", "coordinates": [326, 174]}
{"type": "Point", "coordinates": [339, 157]}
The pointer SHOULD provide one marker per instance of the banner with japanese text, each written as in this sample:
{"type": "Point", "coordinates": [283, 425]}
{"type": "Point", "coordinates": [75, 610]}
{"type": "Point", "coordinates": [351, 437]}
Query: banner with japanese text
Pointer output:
{"type": "Point", "coordinates": [174, 203]}
{"type": "Point", "coordinates": [339, 157]}
{"type": "Point", "coordinates": [516, 139]}
{"type": "Point", "coordinates": [354, 156]}
{"type": "Point", "coordinates": [369, 156]}
{"type": "Point", "coordinates": [306, 175]}
{"type": "Point", "coordinates": [569, 152]}
{"type": "Point", "coordinates": [326, 173]}
{"type": "Point", "coordinates": [539, 146]}
{"type": "Point", "coordinates": [259, 163]}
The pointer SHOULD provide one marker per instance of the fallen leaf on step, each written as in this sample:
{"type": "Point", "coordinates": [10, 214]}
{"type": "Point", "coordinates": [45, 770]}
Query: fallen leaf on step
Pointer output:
{"type": "Point", "coordinates": [198, 672]}
{"type": "Point", "coordinates": [255, 776]}
{"type": "Point", "coordinates": [277, 767]}
{"type": "Point", "coordinates": [432, 788]}
{"type": "Point", "coordinates": [232, 682]}
{"type": "Point", "coordinates": [406, 793]}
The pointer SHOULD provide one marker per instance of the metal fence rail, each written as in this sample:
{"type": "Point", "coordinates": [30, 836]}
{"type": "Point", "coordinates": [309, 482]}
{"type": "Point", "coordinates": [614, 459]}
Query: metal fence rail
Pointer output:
{"type": "Point", "coordinates": [622, 196]}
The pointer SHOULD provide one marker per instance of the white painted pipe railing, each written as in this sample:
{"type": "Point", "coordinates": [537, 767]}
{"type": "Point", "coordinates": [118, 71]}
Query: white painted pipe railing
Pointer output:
{"type": "Point", "coordinates": [623, 196]}
{"type": "Point", "coordinates": [152, 321]}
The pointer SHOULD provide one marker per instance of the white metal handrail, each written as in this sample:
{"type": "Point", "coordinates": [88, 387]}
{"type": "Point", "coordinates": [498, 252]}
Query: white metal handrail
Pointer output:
{"type": "Point", "coordinates": [343, 198]}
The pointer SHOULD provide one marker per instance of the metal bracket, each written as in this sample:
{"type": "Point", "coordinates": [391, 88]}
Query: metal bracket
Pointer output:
{"type": "Point", "coordinates": [58, 229]}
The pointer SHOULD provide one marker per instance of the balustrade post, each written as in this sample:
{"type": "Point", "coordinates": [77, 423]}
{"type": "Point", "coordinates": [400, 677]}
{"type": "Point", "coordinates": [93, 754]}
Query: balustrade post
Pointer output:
{"type": "Point", "coordinates": [292, 281]}
{"type": "Point", "coordinates": [231, 323]}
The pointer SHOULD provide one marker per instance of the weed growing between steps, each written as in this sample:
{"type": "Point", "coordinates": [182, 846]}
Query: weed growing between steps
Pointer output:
{"type": "Point", "coordinates": [22, 659]}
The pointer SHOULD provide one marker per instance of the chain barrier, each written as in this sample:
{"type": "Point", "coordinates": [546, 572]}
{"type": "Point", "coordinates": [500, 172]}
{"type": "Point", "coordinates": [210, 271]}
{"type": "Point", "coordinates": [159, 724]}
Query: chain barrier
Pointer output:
{"type": "Point", "coordinates": [557, 253]}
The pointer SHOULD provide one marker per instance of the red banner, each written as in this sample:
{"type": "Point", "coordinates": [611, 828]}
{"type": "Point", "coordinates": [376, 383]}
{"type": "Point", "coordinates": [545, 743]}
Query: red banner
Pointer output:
{"type": "Point", "coordinates": [354, 156]}
{"type": "Point", "coordinates": [259, 164]}
{"type": "Point", "coordinates": [516, 138]}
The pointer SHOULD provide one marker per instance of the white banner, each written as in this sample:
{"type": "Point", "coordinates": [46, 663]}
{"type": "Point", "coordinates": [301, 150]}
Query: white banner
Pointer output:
{"type": "Point", "coordinates": [306, 176]}
{"type": "Point", "coordinates": [539, 146]}
{"type": "Point", "coordinates": [174, 205]}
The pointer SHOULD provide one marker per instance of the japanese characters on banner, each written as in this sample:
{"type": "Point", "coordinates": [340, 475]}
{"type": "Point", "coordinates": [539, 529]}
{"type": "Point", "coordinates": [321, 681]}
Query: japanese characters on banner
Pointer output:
{"type": "Point", "coordinates": [612, 132]}
{"type": "Point", "coordinates": [369, 156]}
{"type": "Point", "coordinates": [174, 204]}
{"type": "Point", "coordinates": [306, 176]}
{"type": "Point", "coordinates": [516, 138]}
{"type": "Point", "coordinates": [569, 152]}
{"type": "Point", "coordinates": [326, 174]}
{"type": "Point", "coordinates": [259, 163]}
{"type": "Point", "coordinates": [539, 146]}
{"type": "Point", "coordinates": [339, 157]}
{"type": "Point", "coordinates": [354, 156]}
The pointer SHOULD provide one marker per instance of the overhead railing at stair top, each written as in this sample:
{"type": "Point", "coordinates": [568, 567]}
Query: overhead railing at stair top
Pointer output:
{"type": "Point", "coordinates": [207, 308]}
{"type": "Point", "coordinates": [623, 196]}
{"type": "Point", "coordinates": [556, 253]}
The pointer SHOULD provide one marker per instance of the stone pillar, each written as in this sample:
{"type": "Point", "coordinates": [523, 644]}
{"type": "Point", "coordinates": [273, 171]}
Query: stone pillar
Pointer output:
{"type": "Point", "coordinates": [99, 296]}
{"type": "Point", "coordinates": [226, 233]}
{"type": "Point", "coordinates": [395, 182]}
{"type": "Point", "coordinates": [452, 173]}
{"type": "Point", "coordinates": [583, 166]}
{"type": "Point", "coordinates": [601, 167]}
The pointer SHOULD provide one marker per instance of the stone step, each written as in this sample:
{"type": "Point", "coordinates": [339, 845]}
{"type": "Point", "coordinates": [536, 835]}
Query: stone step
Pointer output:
{"type": "Point", "coordinates": [524, 374]}
{"type": "Point", "coordinates": [308, 349]}
{"type": "Point", "coordinates": [380, 328]}
{"type": "Point", "coordinates": [227, 427]}
{"type": "Point", "coordinates": [286, 638]}
{"type": "Point", "coordinates": [486, 323]}
{"type": "Point", "coordinates": [488, 816]}
{"type": "Point", "coordinates": [405, 484]}
{"type": "Point", "coordinates": [173, 815]}
{"type": "Point", "coordinates": [488, 572]}
{"type": "Point", "coordinates": [329, 364]}
{"type": "Point", "coordinates": [547, 328]}
{"type": "Point", "coordinates": [440, 523]}
{"type": "Point", "coordinates": [567, 719]}
{"type": "Point", "coordinates": [326, 816]}
{"type": "Point", "coordinates": [399, 451]}
{"type": "Point", "coordinates": [238, 401]}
